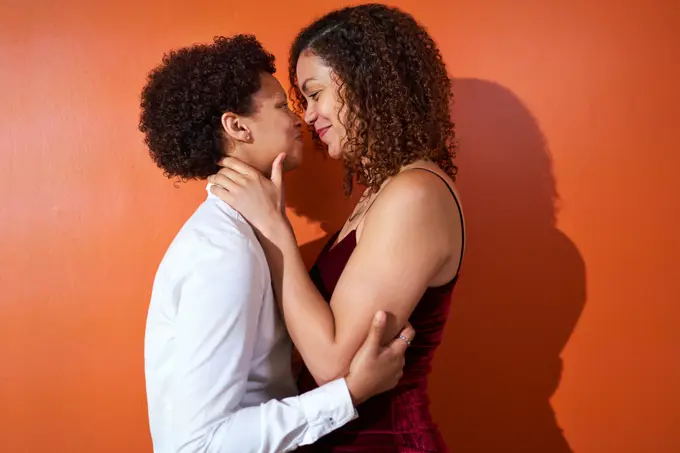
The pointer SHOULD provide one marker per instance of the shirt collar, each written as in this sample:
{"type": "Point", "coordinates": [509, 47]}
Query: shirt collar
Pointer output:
{"type": "Point", "coordinates": [224, 206]}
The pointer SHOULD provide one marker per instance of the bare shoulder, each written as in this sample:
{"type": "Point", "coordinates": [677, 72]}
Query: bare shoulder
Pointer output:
{"type": "Point", "coordinates": [418, 208]}
{"type": "Point", "coordinates": [424, 189]}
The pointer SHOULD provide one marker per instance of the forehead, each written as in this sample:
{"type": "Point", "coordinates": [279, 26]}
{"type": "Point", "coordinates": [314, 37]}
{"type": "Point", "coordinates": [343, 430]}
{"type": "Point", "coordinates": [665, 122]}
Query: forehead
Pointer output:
{"type": "Point", "coordinates": [270, 89]}
{"type": "Point", "coordinates": [311, 68]}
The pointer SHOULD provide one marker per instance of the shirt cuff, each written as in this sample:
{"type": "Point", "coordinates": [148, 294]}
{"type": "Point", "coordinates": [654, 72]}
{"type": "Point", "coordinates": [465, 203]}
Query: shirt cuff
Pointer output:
{"type": "Point", "coordinates": [328, 407]}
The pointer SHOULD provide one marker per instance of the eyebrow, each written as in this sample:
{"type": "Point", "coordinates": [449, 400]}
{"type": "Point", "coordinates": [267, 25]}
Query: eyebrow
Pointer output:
{"type": "Point", "coordinates": [304, 84]}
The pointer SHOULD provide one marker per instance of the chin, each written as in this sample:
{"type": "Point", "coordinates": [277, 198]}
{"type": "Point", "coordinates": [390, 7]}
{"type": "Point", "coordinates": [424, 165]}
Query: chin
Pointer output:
{"type": "Point", "coordinates": [335, 152]}
{"type": "Point", "coordinates": [292, 161]}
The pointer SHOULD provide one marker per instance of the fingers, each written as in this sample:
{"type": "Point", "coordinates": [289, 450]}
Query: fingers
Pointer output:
{"type": "Point", "coordinates": [401, 361]}
{"type": "Point", "coordinates": [239, 166]}
{"type": "Point", "coordinates": [403, 339]}
{"type": "Point", "coordinates": [226, 177]}
{"type": "Point", "coordinates": [223, 182]}
{"type": "Point", "coordinates": [397, 364]}
{"type": "Point", "coordinates": [222, 193]}
{"type": "Point", "coordinates": [408, 331]}
{"type": "Point", "coordinates": [375, 333]}
{"type": "Point", "coordinates": [277, 170]}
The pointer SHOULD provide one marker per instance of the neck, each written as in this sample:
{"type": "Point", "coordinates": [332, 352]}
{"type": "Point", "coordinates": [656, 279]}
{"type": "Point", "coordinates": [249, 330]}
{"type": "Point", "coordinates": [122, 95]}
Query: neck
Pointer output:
{"type": "Point", "coordinates": [243, 152]}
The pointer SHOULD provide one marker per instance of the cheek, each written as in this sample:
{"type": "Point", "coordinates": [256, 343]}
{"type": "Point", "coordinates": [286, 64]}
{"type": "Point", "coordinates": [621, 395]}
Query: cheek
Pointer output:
{"type": "Point", "coordinates": [330, 108]}
{"type": "Point", "coordinates": [275, 128]}
{"type": "Point", "coordinates": [284, 128]}
{"type": "Point", "coordinates": [339, 123]}
{"type": "Point", "coordinates": [336, 112]}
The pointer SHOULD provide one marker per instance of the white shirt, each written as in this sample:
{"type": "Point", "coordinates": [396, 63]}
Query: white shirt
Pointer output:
{"type": "Point", "coordinates": [217, 355]}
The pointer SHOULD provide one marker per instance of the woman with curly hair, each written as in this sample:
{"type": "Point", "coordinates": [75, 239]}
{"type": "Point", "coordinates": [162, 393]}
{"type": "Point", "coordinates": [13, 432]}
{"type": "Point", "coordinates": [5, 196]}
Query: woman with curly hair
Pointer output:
{"type": "Point", "coordinates": [373, 86]}
{"type": "Point", "coordinates": [216, 353]}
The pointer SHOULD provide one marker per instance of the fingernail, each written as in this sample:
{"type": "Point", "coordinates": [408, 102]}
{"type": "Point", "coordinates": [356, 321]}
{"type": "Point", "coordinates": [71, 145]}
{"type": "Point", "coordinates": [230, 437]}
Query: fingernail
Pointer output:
{"type": "Point", "coordinates": [379, 318]}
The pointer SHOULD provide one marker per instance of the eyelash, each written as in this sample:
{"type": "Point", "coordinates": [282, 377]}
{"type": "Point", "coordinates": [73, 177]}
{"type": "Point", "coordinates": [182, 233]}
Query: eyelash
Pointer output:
{"type": "Point", "coordinates": [314, 96]}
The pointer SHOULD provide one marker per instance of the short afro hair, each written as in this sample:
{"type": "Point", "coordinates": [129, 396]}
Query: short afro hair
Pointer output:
{"type": "Point", "coordinates": [185, 96]}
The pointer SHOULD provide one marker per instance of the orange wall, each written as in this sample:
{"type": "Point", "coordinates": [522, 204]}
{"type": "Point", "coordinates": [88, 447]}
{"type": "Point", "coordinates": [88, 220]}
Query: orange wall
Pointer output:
{"type": "Point", "coordinates": [569, 105]}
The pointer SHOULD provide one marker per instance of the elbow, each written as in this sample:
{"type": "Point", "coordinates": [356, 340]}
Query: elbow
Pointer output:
{"type": "Point", "coordinates": [192, 442]}
{"type": "Point", "coordinates": [191, 447]}
{"type": "Point", "coordinates": [328, 371]}
{"type": "Point", "coordinates": [325, 378]}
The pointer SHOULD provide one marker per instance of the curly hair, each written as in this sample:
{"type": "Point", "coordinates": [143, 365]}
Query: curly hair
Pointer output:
{"type": "Point", "coordinates": [393, 84]}
{"type": "Point", "coordinates": [185, 96]}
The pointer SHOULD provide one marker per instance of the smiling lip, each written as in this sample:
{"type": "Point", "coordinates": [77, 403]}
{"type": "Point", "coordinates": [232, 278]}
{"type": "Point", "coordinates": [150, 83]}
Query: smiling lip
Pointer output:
{"type": "Point", "coordinates": [321, 132]}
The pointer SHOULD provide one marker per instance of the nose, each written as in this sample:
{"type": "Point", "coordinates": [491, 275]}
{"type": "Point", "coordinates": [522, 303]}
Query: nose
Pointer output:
{"type": "Point", "coordinates": [297, 121]}
{"type": "Point", "coordinates": [310, 115]}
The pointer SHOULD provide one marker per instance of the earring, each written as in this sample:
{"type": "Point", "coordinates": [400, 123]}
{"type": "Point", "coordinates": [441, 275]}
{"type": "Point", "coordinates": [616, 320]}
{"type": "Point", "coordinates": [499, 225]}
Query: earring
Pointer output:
{"type": "Point", "coordinates": [247, 137]}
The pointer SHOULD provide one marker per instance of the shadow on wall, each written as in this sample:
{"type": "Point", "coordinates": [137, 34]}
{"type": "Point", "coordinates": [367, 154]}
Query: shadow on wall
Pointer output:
{"type": "Point", "coordinates": [522, 286]}
{"type": "Point", "coordinates": [315, 191]}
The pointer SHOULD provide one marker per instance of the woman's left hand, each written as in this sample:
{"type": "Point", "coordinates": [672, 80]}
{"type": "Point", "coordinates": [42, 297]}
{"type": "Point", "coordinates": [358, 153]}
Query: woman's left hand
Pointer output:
{"type": "Point", "coordinates": [258, 199]}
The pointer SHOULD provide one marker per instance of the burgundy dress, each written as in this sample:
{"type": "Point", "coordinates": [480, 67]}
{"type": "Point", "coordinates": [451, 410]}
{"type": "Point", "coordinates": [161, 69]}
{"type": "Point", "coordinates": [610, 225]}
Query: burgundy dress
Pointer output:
{"type": "Point", "coordinates": [397, 421]}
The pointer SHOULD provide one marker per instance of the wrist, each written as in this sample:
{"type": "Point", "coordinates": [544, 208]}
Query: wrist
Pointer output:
{"type": "Point", "coordinates": [276, 227]}
{"type": "Point", "coordinates": [354, 391]}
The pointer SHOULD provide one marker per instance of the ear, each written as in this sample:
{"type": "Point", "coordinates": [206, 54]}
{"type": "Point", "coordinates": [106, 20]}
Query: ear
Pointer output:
{"type": "Point", "coordinates": [236, 128]}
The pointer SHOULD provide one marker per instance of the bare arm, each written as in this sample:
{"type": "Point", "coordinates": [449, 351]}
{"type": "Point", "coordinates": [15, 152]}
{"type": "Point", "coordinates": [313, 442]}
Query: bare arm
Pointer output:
{"type": "Point", "coordinates": [405, 241]}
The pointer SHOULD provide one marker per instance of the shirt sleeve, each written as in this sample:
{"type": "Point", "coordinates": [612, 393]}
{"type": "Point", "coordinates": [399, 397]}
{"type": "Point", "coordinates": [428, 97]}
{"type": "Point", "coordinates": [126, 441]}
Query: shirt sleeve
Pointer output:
{"type": "Point", "coordinates": [217, 321]}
